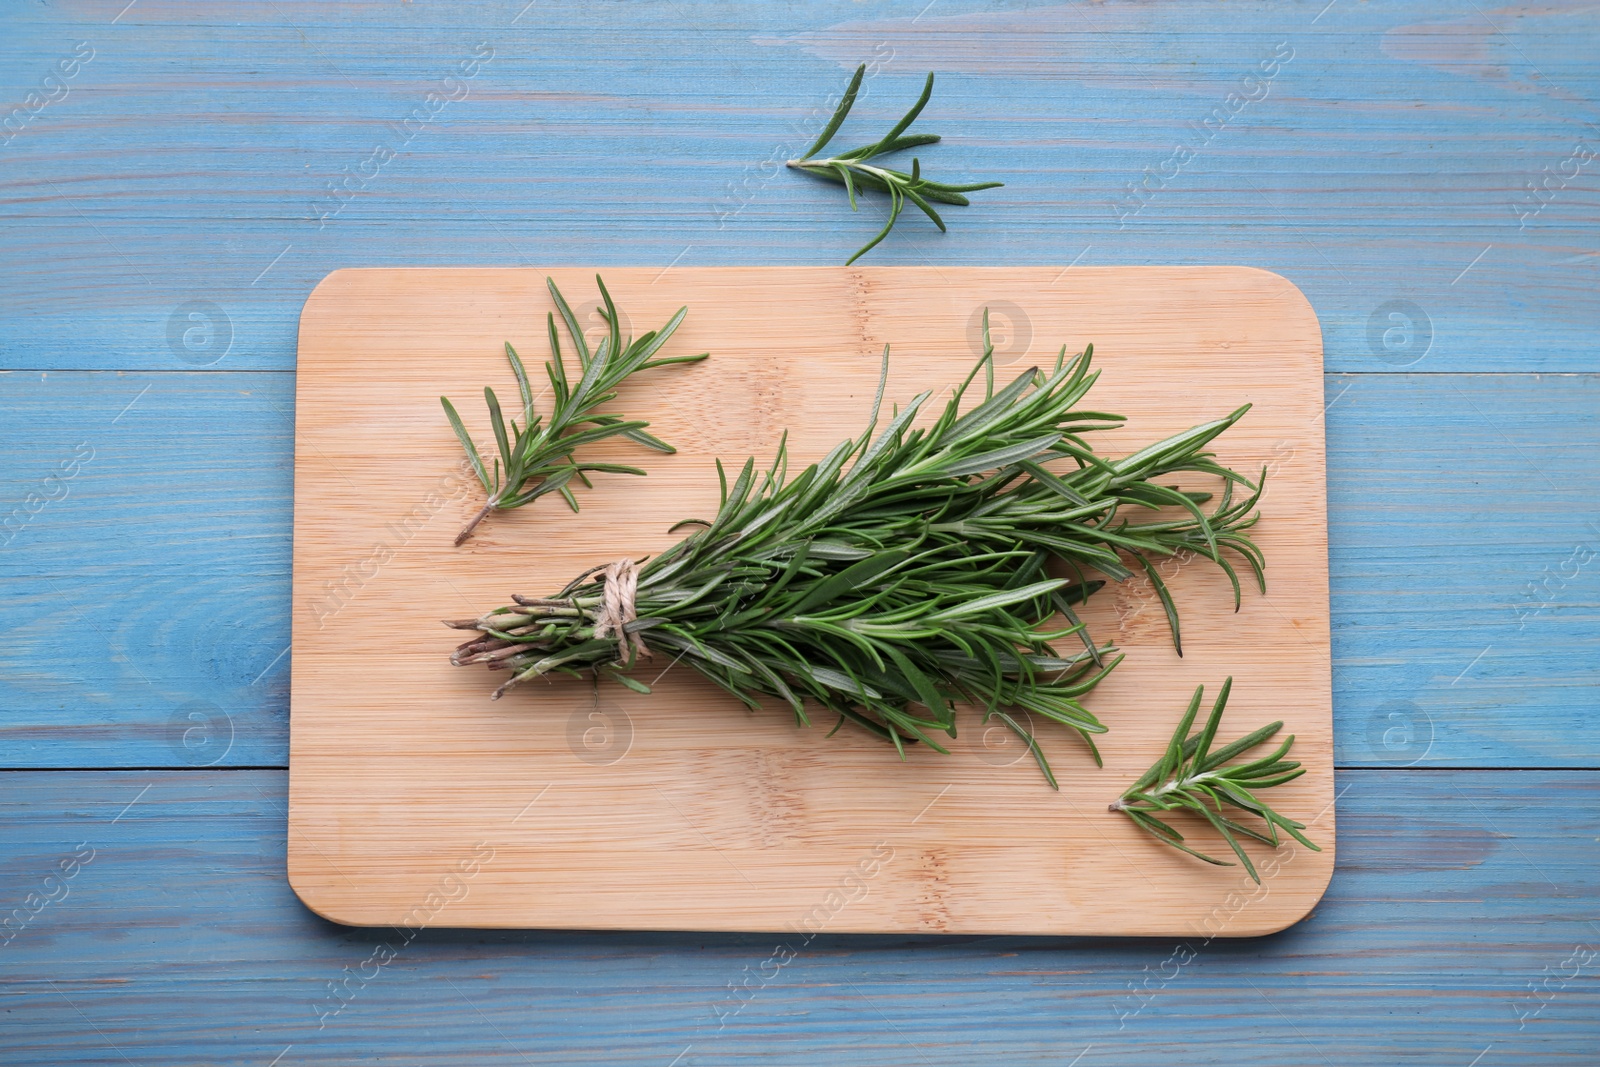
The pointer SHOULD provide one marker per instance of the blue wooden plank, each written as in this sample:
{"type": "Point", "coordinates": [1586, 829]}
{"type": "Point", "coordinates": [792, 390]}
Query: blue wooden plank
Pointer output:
{"type": "Point", "coordinates": [1460, 919]}
{"type": "Point", "coordinates": [136, 509]}
{"type": "Point", "coordinates": [147, 607]}
{"type": "Point", "coordinates": [183, 170]}
{"type": "Point", "coordinates": [1465, 558]}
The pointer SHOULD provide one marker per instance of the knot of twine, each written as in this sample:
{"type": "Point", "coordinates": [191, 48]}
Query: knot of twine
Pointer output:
{"type": "Point", "coordinates": [617, 611]}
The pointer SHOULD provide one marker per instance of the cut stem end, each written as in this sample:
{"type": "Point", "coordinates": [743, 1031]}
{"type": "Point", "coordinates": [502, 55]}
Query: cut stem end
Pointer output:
{"type": "Point", "coordinates": [466, 531]}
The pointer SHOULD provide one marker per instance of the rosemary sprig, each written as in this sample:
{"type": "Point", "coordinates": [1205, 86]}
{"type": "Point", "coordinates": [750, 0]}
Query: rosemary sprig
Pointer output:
{"type": "Point", "coordinates": [901, 574]}
{"type": "Point", "coordinates": [1190, 777]}
{"type": "Point", "coordinates": [540, 452]}
{"type": "Point", "coordinates": [853, 169]}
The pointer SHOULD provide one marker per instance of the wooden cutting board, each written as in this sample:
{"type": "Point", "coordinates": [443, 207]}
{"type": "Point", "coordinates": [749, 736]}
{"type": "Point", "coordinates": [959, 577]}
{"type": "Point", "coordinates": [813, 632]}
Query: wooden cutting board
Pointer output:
{"type": "Point", "coordinates": [415, 800]}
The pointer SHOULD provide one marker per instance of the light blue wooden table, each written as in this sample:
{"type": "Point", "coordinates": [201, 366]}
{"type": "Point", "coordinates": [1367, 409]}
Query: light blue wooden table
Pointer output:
{"type": "Point", "coordinates": [174, 177]}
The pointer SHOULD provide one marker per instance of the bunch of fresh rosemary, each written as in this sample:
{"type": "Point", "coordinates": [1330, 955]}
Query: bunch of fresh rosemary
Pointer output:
{"type": "Point", "coordinates": [536, 458]}
{"type": "Point", "coordinates": [903, 573]}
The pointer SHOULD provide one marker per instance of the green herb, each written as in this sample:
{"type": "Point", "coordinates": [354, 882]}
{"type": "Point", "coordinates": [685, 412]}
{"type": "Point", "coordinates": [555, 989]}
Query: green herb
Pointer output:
{"type": "Point", "coordinates": [903, 573]}
{"type": "Point", "coordinates": [1190, 777]}
{"type": "Point", "coordinates": [536, 459]}
{"type": "Point", "coordinates": [852, 168]}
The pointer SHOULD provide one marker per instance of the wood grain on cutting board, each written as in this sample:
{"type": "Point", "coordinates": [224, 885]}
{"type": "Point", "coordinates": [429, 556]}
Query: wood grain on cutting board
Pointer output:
{"type": "Point", "coordinates": [416, 800]}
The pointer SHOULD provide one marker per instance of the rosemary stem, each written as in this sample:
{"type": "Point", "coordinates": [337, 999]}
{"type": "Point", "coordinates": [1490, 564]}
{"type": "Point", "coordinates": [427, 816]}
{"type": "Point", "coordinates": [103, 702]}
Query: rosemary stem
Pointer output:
{"type": "Point", "coordinates": [466, 531]}
{"type": "Point", "coordinates": [1172, 786]}
{"type": "Point", "coordinates": [829, 164]}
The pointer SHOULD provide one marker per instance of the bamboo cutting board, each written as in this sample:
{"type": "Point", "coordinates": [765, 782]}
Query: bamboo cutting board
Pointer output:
{"type": "Point", "coordinates": [415, 800]}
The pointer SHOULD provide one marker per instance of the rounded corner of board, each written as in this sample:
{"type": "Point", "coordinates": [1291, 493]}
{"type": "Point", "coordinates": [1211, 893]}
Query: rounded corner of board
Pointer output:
{"type": "Point", "coordinates": [1306, 904]}
{"type": "Point", "coordinates": [309, 895]}
{"type": "Point", "coordinates": [1283, 288]}
{"type": "Point", "coordinates": [330, 282]}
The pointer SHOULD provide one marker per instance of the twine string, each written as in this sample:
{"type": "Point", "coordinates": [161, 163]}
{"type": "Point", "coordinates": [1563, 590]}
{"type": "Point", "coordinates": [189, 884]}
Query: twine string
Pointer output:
{"type": "Point", "coordinates": [617, 610]}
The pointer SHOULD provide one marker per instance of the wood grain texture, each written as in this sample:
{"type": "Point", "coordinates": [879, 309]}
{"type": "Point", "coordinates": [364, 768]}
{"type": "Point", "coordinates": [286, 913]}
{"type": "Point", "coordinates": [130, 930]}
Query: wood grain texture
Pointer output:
{"type": "Point", "coordinates": [181, 943]}
{"type": "Point", "coordinates": [1388, 154]}
{"type": "Point", "coordinates": [681, 809]}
